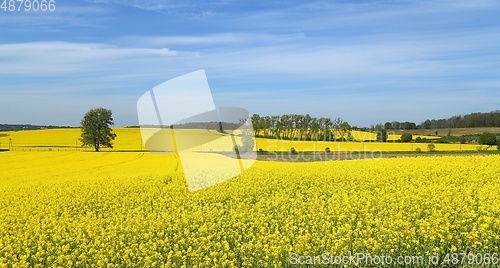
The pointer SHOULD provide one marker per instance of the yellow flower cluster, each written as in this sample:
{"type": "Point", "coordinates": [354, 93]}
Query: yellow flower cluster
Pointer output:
{"type": "Point", "coordinates": [110, 209]}
{"type": "Point", "coordinates": [319, 146]}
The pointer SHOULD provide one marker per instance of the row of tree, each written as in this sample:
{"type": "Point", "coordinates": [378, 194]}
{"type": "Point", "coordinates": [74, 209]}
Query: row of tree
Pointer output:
{"type": "Point", "coordinates": [301, 127]}
{"type": "Point", "coordinates": [491, 119]}
{"type": "Point", "coordinates": [16, 127]}
{"type": "Point", "coordinates": [400, 125]}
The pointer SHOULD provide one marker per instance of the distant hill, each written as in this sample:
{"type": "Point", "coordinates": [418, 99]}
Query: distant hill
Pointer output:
{"type": "Point", "coordinates": [199, 125]}
{"type": "Point", "coordinates": [17, 127]}
{"type": "Point", "coordinates": [472, 120]}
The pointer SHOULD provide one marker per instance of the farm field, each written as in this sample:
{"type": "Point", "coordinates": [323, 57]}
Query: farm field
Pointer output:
{"type": "Point", "coordinates": [286, 145]}
{"type": "Point", "coordinates": [129, 139]}
{"type": "Point", "coordinates": [116, 209]}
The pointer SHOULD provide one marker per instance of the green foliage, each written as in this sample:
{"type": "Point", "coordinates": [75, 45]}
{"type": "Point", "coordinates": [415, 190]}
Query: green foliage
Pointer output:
{"type": "Point", "coordinates": [488, 139]}
{"type": "Point", "coordinates": [481, 148]}
{"type": "Point", "coordinates": [382, 135]}
{"type": "Point", "coordinates": [327, 149]}
{"type": "Point", "coordinates": [301, 127]}
{"type": "Point", "coordinates": [418, 150]}
{"type": "Point", "coordinates": [248, 142]}
{"type": "Point", "coordinates": [293, 151]}
{"type": "Point", "coordinates": [463, 140]}
{"type": "Point", "coordinates": [96, 129]}
{"type": "Point", "coordinates": [491, 119]}
{"type": "Point", "coordinates": [406, 137]}
{"type": "Point", "coordinates": [498, 144]}
{"type": "Point", "coordinates": [418, 140]}
{"type": "Point", "coordinates": [431, 147]}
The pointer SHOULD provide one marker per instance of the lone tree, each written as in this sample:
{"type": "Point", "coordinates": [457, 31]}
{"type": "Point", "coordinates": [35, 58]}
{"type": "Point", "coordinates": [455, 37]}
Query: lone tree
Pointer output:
{"type": "Point", "coordinates": [96, 129]}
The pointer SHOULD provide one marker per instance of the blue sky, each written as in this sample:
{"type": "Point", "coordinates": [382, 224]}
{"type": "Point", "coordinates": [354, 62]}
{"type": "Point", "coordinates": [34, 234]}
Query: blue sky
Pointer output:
{"type": "Point", "coordinates": [364, 61]}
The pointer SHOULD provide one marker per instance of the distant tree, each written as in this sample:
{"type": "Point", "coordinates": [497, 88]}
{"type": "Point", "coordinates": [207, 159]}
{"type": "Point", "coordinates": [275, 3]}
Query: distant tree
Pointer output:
{"type": "Point", "coordinates": [248, 143]}
{"type": "Point", "coordinates": [427, 124]}
{"type": "Point", "coordinates": [431, 147]}
{"type": "Point", "coordinates": [345, 131]}
{"type": "Point", "coordinates": [396, 125]}
{"type": "Point", "coordinates": [406, 137]}
{"type": "Point", "coordinates": [388, 125]}
{"type": "Point", "coordinates": [382, 135]}
{"type": "Point", "coordinates": [418, 140]}
{"type": "Point", "coordinates": [463, 140]}
{"type": "Point", "coordinates": [96, 129]}
{"type": "Point", "coordinates": [257, 124]}
{"type": "Point", "coordinates": [488, 139]}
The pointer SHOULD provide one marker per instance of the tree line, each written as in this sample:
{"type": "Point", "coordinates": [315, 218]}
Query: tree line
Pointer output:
{"type": "Point", "coordinates": [16, 127]}
{"type": "Point", "coordinates": [491, 119]}
{"type": "Point", "coordinates": [301, 127]}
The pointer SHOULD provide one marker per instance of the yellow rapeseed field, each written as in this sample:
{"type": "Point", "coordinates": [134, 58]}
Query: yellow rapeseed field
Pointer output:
{"type": "Point", "coordinates": [286, 145]}
{"type": "Point", "coordinates": [130, 139]}
{"type": "Point", "coordinates": [66, 139]}
{"type": "Point", "coordinates": [124, 209]}
{"type": "Point", "coordinates": [391, 135]}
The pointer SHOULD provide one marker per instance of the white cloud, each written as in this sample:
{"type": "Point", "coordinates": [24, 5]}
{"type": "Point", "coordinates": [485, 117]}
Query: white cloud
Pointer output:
{"type": "Point", "coordinates": [56, 58]}
{"type": "Point", "coordinates": [212, 39]}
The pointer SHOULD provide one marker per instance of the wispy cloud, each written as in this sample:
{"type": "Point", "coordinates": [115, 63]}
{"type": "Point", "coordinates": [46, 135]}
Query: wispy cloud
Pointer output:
{"type": "Point", "coordinates": [185, 7]}
{"type": "Point", "coordinates": [212, 39]}
{"type": "Point", "coordinates": [60, 58]}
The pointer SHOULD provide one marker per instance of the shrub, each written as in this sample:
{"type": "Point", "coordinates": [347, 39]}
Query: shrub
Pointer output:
{"type": "Point", "coordinates": [431, 147]}
{"type": "Point", "coordinates": [498, 144]}
{"type": "Point", "coordinates": [418, 150]}
{"type": "Point", "coordinates": [293, 151]}
{"type": "Point", "coordinates": [406, 137]}
{"type": "Point", "coordinates": [488, 139]}
{"type": "Point", "coordinates": [327, 149]}
{"type": "Point", "coordinates": [418, 140]}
